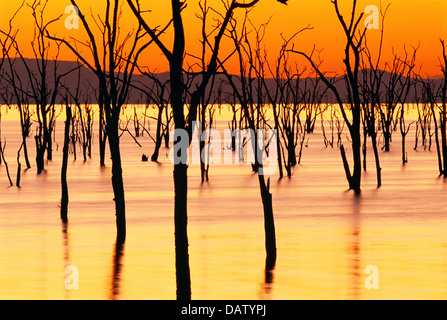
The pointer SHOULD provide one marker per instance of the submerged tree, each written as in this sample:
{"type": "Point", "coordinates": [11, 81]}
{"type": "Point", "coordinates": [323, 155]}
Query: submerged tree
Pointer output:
{"type": "Point", "coordinates": [175, 58]}
{"type": "Point", "coordinates": [248, 89]}
{"type": "Point", "coordinates": [114, 61]}
{"type": "Point", "coordinates": [157, 94]}
{"type": "Point", "coordinates": [38, 89]}
{"type": "Point", "coordinates": [64, 184]}
{"type": "Point", "coordinates": [13, 80]}
{"type": "Point", "coordinates": [353, 48]}
{"type": "Point", "coordinates": [82, 119]}
{"type": "Point", "coordinates": [371, 93]}
{"type": "Point", "coordinates": [443, 110]}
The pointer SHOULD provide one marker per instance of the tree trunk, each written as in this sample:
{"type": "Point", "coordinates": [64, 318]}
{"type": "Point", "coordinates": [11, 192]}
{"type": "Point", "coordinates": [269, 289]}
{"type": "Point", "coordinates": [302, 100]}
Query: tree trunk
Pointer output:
{"type": "Point", "coordinates": [269, 223]}
{"type": "Point", "coordinates": [64, 199]}
{"type": "Point", "coordinates": [158, 137]}
{"type": "Point", "coordinates": [438, 147]}
{"type": "Point", "coordinates": [40, 152]}
{"type": "Point", "coordinates": [364, 149]}
{"type": "Point", "coordinates": [25, 152]}
{"type": "Point", "coordinates": [25, 133]}
{"type": "Point", "coordinates": [354, 179]}
{"type": "Point", "coordinates": [444, 139]}
{"type": "Point", "coordinates": [356, 152]}
{"type": "Point", "coordinates": [102, 136]}
{"type": "Point", "coordinates": [183, 277]}
{"type": "Point", "coordinates": [49, 144]}
{"type": "Point", "coordinates": [376, 158]}
{"type": "Point", "coordinates": [278, 142]}
{"type": "Point", "coordinates": [387, 136]}
{"type": "Point", "coordinates": [345, 164]}
{"type": "Point", "coordinates": [2, 156]}
{"type": "Point", "coordinates": [117, 180]}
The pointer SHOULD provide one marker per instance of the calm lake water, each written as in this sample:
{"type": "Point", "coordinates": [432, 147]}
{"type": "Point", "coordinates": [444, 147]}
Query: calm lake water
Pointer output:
{"type": "Point", "coordinates": [326, 236]}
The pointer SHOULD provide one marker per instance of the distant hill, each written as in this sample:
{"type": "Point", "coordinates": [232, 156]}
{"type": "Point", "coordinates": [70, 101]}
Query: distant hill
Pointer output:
{"type": "Point", "coordinates": [142, 85]}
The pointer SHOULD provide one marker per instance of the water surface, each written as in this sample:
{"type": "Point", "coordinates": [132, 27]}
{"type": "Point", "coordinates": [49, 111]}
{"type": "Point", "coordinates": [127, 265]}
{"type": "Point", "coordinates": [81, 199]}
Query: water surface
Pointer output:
{"type": "Point", "coordinates": [326, 236]}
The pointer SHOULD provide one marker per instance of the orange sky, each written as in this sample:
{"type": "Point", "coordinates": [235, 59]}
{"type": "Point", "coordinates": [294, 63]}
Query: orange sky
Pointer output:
{"type": "Point", "coordinates": [407, 22]}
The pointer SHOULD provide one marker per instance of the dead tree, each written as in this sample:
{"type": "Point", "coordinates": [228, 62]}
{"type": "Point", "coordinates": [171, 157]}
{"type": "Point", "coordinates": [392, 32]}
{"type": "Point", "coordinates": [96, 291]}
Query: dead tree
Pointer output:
{"type": "Point", "coordinates": [42, 94]}
{"type": "Point", "coordinates": [196, 73]}
{"type": "Point", "coordinates": [396, 88]}
{"type": "Point", "coordinates": [175, 57]}
{"type": "Point", "coordinates": [406, 83]}
{"type": "Point", "coordinates": [251, 102]}
{"type": "Point", "coordinates": [64, 184]}
{"type": "Point", "coordinates": [284, 96]}
{"type": "Point", "coordinates": [371, 91]}
{"type": "Point", "coordinates": [2, 152]}
{"type": "Point", "coordinates": [290, 110]}
{"type": "Point", "coordinates": [12, 80]}
{"type": "Point", "coordinates": [114, 67]}
{"type": "Point", "coordinates": [354, 46]}
{"type": "Point", "coordinates": [433, 93]}
{"type": "Point", "coordinates": [82, 119]}
{"type": "Point", "coordinates": [2, 155]}
{"type": "Point", "coordinates": [443, 112]}
{"type": "Point", "coordinates": [312, 106]}
{"type": "Point", "coordinates": [39, 89]}
{"type": "Point", "coordinates": [370, 103]}
{"type": "Point", "coordinates": [258, 62]}
{"type": "Point", "coordinates": [157, 94]}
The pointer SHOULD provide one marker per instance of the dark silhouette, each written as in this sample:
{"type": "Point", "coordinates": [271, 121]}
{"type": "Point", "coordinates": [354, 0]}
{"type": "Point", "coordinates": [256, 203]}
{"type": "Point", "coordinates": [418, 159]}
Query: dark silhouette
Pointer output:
{"type": "Point", "coordinates": [354, 47]}
{"type": "Point", "coordinates": [41, 93]}
{"type": "Point", "coordinates": [443, 111]}
{"type": "Point", "coordinates": [252, 105]}
{"type": "Point", "coordinates": [442, 147]}
{"type": "Point", "coordinates": [13, 80]}
{"type": "Point", "coordinates": [176, 59]}
{"type": "Point", "coordinates": [2, 157]}
{"type": "Point", "coordinates": [114, 68]}
{"type": "Point", "coordinates": [371, 97]}
{"type": "Point", "coordinates": [64, 185]}
{"type": "Point", "coordinates": [82, 120]}
{"type": "Point", "coordinates": [116, 274]}
{"type": "Point", "coordinates": [156, 92]}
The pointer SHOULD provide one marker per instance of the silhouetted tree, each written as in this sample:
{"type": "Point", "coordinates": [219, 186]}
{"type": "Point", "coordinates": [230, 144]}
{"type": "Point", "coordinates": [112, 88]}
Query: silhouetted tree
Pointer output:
{"type": "Point", "coordinates": [64, 184]}
{"type": "Point", "coordinates": [248, 91]}
{"type": "Point", "coordinates": [371, 93]}
{"type": "Point", "coordinates": [354, 46]}
{"type": "Point", "coordinates": [396, 89]}
{"type": "Point", "coordinates": [114, 62]}
{"type": "Point", "coordinates": [2, 153]}
{"type": "Point", "coordinates": [158, 94]}
{"type": "Point", "coordinates": [175, 58]}
{"type": "Point", "coordinates": [406, 83]}
{"type": "Point", "coordinates": [443, 111]}
{"type": "Point", "coordinates": [82, 119]}
{"type": "Point", "coordinates": [41, 91]}
{"type": "Point", "coordinates": [424, 97]}
{"type": "Point", "coordinates": [312, 105]}
{"type": "Point", "coordinates": [13, 81]}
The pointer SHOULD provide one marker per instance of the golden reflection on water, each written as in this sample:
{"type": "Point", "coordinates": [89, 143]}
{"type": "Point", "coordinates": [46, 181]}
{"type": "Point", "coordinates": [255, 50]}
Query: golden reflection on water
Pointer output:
{"type": "Point", "coordinates": [326, 236]}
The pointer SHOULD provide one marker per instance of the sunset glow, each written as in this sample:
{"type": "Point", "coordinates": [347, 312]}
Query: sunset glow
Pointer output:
{"type": "Point", "coordinates": [407, 23]}
{"type": "Point", "coordinates": [223, 149]}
